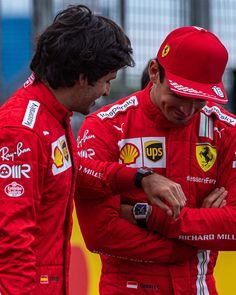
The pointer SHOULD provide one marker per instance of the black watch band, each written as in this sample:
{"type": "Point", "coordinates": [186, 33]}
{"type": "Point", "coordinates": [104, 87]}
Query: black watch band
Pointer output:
{"type": "Point", "coordinates": [141, 173]}
{"type": "Point", "coordinates": [141, 223]}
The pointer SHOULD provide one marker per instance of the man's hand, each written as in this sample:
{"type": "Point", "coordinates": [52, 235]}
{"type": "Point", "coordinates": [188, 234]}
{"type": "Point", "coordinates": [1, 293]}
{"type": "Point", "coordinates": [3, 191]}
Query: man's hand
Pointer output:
{"type": "Point", "coordinates": [164, 193]}
{"type": "Point", "coordinates": [126, 213]}
{"type": "Point", "coordinates": [216, 199]}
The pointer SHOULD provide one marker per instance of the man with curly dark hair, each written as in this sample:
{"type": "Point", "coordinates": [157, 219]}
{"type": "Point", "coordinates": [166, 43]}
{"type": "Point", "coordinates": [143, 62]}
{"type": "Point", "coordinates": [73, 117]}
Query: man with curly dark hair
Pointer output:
{"type": "Point", "coordinates": [76, 58]}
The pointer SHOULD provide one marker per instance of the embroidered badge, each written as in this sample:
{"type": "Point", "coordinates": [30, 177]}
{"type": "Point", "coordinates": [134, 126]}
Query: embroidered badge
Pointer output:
{"type": "Point", "coordinates": [129, 153]}
{"type": "Point", "coordinates": [206, 156]}
{"type": "Point", "coordinates": [154, 150]}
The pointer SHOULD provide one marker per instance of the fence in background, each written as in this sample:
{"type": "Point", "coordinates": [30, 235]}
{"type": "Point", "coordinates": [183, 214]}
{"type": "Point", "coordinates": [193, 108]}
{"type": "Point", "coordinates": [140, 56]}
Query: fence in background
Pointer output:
{"type": "Point", "coordinates": [146, 23]}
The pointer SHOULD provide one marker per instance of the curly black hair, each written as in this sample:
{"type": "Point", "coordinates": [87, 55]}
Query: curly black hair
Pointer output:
{"type": "Point", "coordinates": [79, 42]}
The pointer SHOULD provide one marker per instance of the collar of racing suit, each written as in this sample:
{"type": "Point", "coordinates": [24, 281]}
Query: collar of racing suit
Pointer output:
{"type": "Point", "coordinates": [46, 97]}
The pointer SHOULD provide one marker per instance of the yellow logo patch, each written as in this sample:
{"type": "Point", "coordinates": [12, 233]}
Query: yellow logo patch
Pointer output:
{"type": "Point", "coordinates": [129, 153]}
{"type": "Point", "coordinates": [154, 150]}
{"type": "Point", "coordinates": [44, 279]}
{"type": "Point", "coordinates": [58, 159]}
{"type": "Point", "coordinates": [165, 51]}
{"type": "Point", "coordinates": [61, 160]}
{"type": "Point", "coordinates": [206, 156]}
{"type": "Point", "coordinates": [64, 149]}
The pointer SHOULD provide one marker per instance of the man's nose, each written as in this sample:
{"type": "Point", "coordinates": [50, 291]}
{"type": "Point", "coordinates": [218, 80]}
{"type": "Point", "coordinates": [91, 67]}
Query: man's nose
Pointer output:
{"type": "Point", "coordinates": [187, 107]}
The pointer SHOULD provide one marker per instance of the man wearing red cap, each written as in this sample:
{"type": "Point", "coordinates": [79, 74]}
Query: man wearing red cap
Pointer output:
{"type": "Point", "coordinates": [176, 128]}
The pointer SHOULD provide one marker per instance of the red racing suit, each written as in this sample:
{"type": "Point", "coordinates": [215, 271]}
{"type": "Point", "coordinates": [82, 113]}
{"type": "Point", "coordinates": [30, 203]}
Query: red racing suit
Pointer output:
{"type": "Point", "coordinates": [38, 170]}
{"type": "Point", "coordinates": [200, 156]}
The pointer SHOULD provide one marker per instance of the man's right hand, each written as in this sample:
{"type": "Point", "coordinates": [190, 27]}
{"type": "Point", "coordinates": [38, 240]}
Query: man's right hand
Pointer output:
{"type": "Point", "coordinates": [164, 193]}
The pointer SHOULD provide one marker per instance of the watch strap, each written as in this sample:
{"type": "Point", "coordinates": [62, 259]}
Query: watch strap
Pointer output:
{"type": "Point", "coordinates": [140, 174]}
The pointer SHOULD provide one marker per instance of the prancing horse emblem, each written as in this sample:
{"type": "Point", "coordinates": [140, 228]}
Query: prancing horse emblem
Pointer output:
{"type": "Point", "coordinates": [206, 156]}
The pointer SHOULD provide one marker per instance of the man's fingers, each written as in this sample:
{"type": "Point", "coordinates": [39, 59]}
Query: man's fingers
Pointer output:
{"type": "Point", "coordinates": [180, 195]}
{"type": "Point", "coordinates": [218, 202]}
{"type": "Point", "coordinates": [159, 203]}
{"type": "Point", "coordinates": [164, 193]}
{"type": "Point", "coordinates": [173, 207]}
{"type": "Point", "coordinates": [215, 198]}
{"type": "Point", "coordinates": [223, 203]}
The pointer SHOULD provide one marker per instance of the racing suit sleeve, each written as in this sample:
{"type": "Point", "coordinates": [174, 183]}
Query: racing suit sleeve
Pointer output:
{"type": "Point", "coordinates": [207, 228]}
{"type": "Point", "coordinates": [103, 229]}
{"type": "Point", "coordinates": [21, 174]}
{"type": "Point", "coordinates": [104, 178]}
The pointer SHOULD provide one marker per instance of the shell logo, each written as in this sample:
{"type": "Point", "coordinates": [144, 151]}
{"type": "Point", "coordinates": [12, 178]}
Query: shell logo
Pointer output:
{"type": "Point", "coordinates": [129, 153]}
{"type": "Point", "coordinates": [58, 158]}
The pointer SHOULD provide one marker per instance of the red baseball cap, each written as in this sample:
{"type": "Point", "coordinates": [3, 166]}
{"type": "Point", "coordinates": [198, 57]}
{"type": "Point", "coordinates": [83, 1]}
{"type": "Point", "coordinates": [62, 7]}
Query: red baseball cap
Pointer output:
{"type": "Point", "coordinates": [194, 60]}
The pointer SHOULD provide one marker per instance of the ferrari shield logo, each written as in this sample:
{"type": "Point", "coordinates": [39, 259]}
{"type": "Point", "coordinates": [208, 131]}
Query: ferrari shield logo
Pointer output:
{"type": "Point", "coordinates": [206, 156]}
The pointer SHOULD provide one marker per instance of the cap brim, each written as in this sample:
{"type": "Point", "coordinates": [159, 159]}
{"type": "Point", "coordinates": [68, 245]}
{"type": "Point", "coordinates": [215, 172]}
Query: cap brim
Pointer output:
{"type": "Point", "coordinates": [210, 92]}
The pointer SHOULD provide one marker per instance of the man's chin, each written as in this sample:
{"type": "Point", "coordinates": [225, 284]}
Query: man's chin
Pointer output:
{"type": "Point", "coordinates": [180, 121]}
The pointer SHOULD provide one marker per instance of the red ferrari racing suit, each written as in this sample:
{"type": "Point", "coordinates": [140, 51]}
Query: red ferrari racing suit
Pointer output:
{"type": "Point", "coordinates": [200, 156]}
{"type": "Point", "coordinates": [38, 170]}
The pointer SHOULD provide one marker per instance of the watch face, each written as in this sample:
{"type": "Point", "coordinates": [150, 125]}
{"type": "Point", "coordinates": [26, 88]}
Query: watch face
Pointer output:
{"type": "Point", "coordinates": [140, 210]}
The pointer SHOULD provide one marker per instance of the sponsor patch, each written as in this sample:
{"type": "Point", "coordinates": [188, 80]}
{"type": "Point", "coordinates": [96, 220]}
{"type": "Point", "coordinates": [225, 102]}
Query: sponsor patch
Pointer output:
{"type": "Point", "coordinates": [14, 190]}
{"type": "Point", "coordinates": [165, 50]}
{"type": "Point", "coordinates": [15, 171]}
{"type": "Point", "coordinates": [182, 89]}
{"type": "Point", "coordinates": [144, 151]}
{"type": "Point", "coordinates": [7, 155]}
{"type": "Point", "coordinates": [205, 180]}
{"type": "Point", "coordinates": [90, 172]}
{"type": "Point", "coordinates": [218, 91]}
{"type": "Point", "coordinates": [60, 155]}
{"type": "Point", "coordinates": [65, 149]}
{"type": "Point", "coordinates": [110, 113]}
{"type": "Point", "coordinates": [29, 81]}
{"type": "Point", "coordinates": [223, 117]}
{"type": "Point", "coordinates": [208, 237]}
{"type": "Point", "coordinates": [132, 285]}
{"type": "Point", "coordinates": [206, 156]}
{"type": "Point", "coordinates": [86, 136]}
{"type": "Point", "coordinates": [129, 153]}
{"type": "Point", "coordinates": [119, 128]}
{"type": "Point", "coordinates": [31, 114]}
{"type": "Point", "coordinates": [219, 131]}
{"type": "Point", "coordinates": [154, 150]}
{"type": "Point", "coordinates": [44, 279]}
{"type": "Point", "coordinates": [89, 153]}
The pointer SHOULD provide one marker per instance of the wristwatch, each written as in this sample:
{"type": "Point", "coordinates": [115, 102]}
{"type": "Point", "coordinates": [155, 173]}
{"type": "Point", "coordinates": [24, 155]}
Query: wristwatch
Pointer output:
{"type": "Point", "coordinates": [141, 173]}
{"type": "Point", "coordinates": [141, 212]}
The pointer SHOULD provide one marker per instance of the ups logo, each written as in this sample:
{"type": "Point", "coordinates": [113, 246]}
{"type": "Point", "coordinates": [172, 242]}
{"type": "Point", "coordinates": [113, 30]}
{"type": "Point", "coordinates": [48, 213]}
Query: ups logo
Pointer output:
{"type": "Point", "coordinates": [154, 150]}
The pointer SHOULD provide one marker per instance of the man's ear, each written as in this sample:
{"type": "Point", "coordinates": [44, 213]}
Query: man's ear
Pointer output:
{"type": "Point", "coordinates": [153, 70]}
{"type": "Point", "coordinates": [82, 80]}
